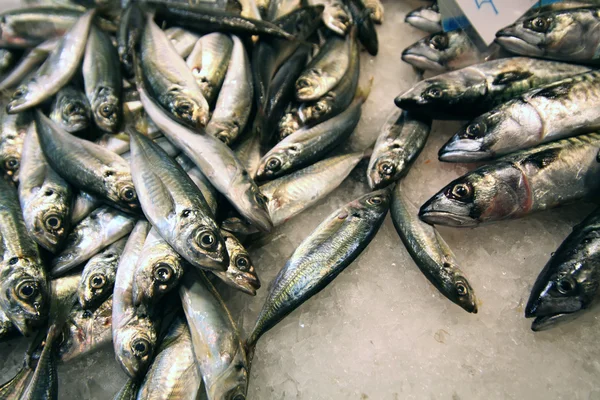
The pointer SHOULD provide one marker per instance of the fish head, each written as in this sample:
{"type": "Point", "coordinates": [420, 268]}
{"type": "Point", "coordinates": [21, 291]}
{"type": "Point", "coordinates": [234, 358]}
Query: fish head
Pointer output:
{"type": "Point", "coordinates": [97, 281]}
{"type": "Point", "coordinates": [135, 344]}
{"type": "Point", "coordinates": [315, 111]}
{"type": "Point", "coordinates": [385, 170]}
{"type": "Point", "coordinates": [567, 284]}
{"type": "Point", "coordinates": [158, 273]}
{"type": "Point", "coordinates": [254, 204]}
{"type": "Point", "coordinates": [24, 293]}
{"type": "Point", "coordinates": [71, 110]}
{"type": "Point", "coordinates": [232, 383]}
{"type": "Point", "coordinates": [202, 239]}
{"type": "Point", "coordinates": [310, 83]}
{"type": "Point", "coordinates": [429, 53]}
{"type": "Point", "coordinates": [463, 293]}
{"type": "Point", "coordinates": [240, 273]}
{"type": "Point", "coordinates": [121, 190]}
{"type": "Point", "coordinates": [10, 154]}
{"type": "Point", "coordinates": [424, 17]}
{"type": "Point", "coordinates": [373, 204]}
{"type": "Point", "coordinates": [289, 124]}
{"type": "Point", "coordinates": [24, 96]}
{"type": "Point", "coordinates": [49, 219]}
{"type": "Point", "coordinates": [187, 107]}
{"type": "Point", "coordinates": [106, 109]}
{"type": "Point", "coordinates": [279, 160]}
{"type": "Point", "coordinates": [337, 18]}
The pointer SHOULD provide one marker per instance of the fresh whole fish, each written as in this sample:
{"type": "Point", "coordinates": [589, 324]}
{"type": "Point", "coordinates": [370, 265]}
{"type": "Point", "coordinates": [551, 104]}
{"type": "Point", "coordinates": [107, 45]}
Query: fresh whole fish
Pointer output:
{"type": "Point", "coordinates": [71, 110]}
{"type": "Point", "coordinates": [175, 206]}
{"type": "Point", "coordinates": [366, 33]}
{"type": "Point", "coordinates": [565, 108]}
{"type": "Point", "coordinates": [307, 145]}
{"type": "Point", "coordinates": [208, 62]}
{"type": "Point", "coordinates": [131, 26]}
{"type": "Point", "coordinates": [158, 270]}
{"type": "Point", "coordinates": [326, 70]}
{"type": "Point", "coordinates": [183, 41]}
{"type": "Point", "coordinates": [569, 282]}
{"type": "Point", "coordinates": [98, 276]}
{"type": "Point", "coordinates": [376, 9]}
{"type": "Point", "coordinates": [248, 152]}
{"type": "Point", "coordinates": [336, 16]}
{"type": "Point", "coordinates": [45, 197]}
{"type": "Point", "coordinates": [519, 184]}
{"type": "Point", "coordinates": [218, 349]}
{"type": "Point", "coordinates": [326, 252]}
{"type": "Point", "coordinates": [134, 334]}
{"type": "Point", "coordinates": [217, 162]}
{"type": "Point", "coordinates": [102, 227]}
{"type": "Point", "coordinates": [87, 166]}
{"type": "Point", "coordinates": [571, 35]}
{"type": "Point", "coordinates": [471, 91]}
{"type": "Point", "coordinates": [83, 204]}
{"type": "Point", "coordinates": [400, 142]}
{"type": "Point", "coordinates": [442, 52]}
{"type": "Point", "coordinates": [56, 71]}
{"type": "Point", "coordinates": [234, 102]}
{"type": "Point", "coordinates": [26, 65]}
{"type": "Point", "coordinates": [102, 78]}
{"type": "Point", "coordinates": [129, 390]}
{"type": "Point", "coordinates": [208, 191]}
{"type": "Point", "coordinates": [240, 273]}
{"type": "Point", "coordinates": [430, 252]}
{"type": "Point", "coordinates": [23, 286]}
{"type": "Point", "coordinates": [170, 79]}
{"type": "Point", "coordinates": [426, 18]}
{"type": "Point", "coordinates": [13, 129]}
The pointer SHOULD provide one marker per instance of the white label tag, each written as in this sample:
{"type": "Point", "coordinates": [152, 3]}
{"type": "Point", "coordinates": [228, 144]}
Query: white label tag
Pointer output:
{"type": "Point", "coordinates": [489, 16]}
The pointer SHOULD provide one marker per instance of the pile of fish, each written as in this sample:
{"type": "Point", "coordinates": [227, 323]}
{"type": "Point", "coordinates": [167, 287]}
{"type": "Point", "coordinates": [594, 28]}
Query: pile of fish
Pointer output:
{"type": "Point", "coordinates": [142, 147]}
{"type": "Point", "coordinates": [534, 121]}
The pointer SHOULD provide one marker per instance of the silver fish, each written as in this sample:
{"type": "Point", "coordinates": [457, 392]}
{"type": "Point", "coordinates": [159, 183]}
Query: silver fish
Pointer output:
{"type": "Point", "coordinates": [83, 204]}
{"type": "Point", "coordinates": [336, 16]}
{"type": "Point", "coordinates": [71, 110]}
{"type": "Point", "coordinates": [183, 41]}
{"type": "Point", "coordinates": [13, 129]}
{"type": "Point", "coordinates": [26, 65]}
{"type": "Point", "coordinates": [240, 273]}
{"type": "Point", "coordinates": [428, 19]}
{"type": "Point", "coordinates": [376, 9]}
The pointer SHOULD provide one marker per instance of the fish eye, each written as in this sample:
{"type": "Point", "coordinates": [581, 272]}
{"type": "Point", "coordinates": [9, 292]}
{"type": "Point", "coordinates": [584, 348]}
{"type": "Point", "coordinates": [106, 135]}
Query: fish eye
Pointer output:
{"type": "Point", "coordinates": [475, 130]}
{"type": "Point", "coordinates": [461, 289]}
{"type": "Point", "coordinates": [27, 290]}
{"type": "Point", "coordinates": [242, 262]}
{"type": "Point", "coordinates": [439, 42]}
{"type": "Point", "coordinates": [461, 191]}
{"type": "Point", "coordinates": [433, 93]}
{"type": "Point", "coordinates": [140, 348]}
{"type": "Point", "coordinates": [163, 272]}
{"type": "Point", "coordinates": [387, 168]}
{"type": "Point", "coordinates": [375, 200]}
{"type": "Point", "coordinates": [97, 281]}
{"type": "Point", "coordinates": [107, 110]}
{"type": "Point", "coordinates": [128, 194]}
{"type": "Point", "coordinates": [565, 285]}
{"type": "Point", "coordinates": [538, 24]}
{"type": "Point", "coordinates": [186, 213]}
{"type": "Point", "coordinates": [53, 222]}
{"type": "Point", "coordinates": [13, 260]}
{"type": "Point", "coordinates": [319, 107]}
{"type": "Point", "coordinates": [11, 164]}
{"type": "Point", "coordinates": [184, 109]}
{"type": "Point", "coordinates": [19, 93]}
{"type": "Point", "coordinates": [260, 199]}
{"type": "Point", "coordinates": [206, 240]}
{"type": "Point", "coordinates": [273, 164]}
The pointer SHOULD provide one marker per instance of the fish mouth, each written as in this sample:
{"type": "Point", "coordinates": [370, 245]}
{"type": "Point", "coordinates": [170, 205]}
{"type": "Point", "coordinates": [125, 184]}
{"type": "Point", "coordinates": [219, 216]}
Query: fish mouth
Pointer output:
{"type": "Point", "coordinates": [248, 285]}
{"type": "Point", "coordinates": [433, 217]}
{"type": "Point", "coordinates": [463, 150]}
{"type": "Point", "coordinates": [514, 44]}
{"type": "Point", "coordinates": [420, 61]}
{"type": "Point", "coordinates": [549, 321]}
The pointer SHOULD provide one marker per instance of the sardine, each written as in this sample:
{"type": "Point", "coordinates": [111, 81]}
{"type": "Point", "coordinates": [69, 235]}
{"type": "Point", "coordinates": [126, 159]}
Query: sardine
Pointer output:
{"type": "Point", "coordinates": [129, 33]}
{"type": "Point", "coordinates": [366, 32]}
{"type": "Point", "coordinates": [45, 197]}
{"type": "Point", "coordinates": [248, 152]}
{"type": "Point", "coordinates": [26, 65]}
{"type": "Point", "coordinates": [471, 91]}
{"type": "Point", "coordinates": [129, 390]}
{"type": "Point", "coordinates": [218, 348]}
{"type": "Point", "coordinates": [87, 166]}
{"type": "Point", "coordinates": [183, 41]}
{"type": "Point", "coordinates": [102, 227]}
{"type": "Point", "coordinates": [240, 273]}
{"type": "Point", "coordinates": [336, 16]}
{"type": "Point", "coordinates": [102, 78]}
{"type": "Point", "coordinates": [431, 253]}
{"type": "Point", "coordinates": [326, 252]}
{"type": "Point", "coordinates": [98, 276]}
{"type": "Point", "coordinates": [83, 204]}
{"type": "Point", "coordinates": [519, 184]}
{"type": "Point", "coordinates": [56, 71]}
{"type": "Point", "coordinates": [13, 129]}
{"type": "Point", "coordinates": [71, 110]}
{"type": "Point", "coordinates": [376, 10]}
{"type": "Point", "coordinates": [426, 18]}
{"type": "Point", "coordinates": [565, 108]}
{"type": "Point", "coordinates": [400, 142]}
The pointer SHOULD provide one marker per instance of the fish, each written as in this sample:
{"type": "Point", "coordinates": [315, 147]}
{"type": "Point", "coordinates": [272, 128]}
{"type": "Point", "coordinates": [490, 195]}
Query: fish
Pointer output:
{"type": "Point", "coordinates": [174, 373]}
{"type": "Point", "coordinates": [400, 142]}
{"type": "Point", "coordinates": [471, 91]}
{"type": "Point", "coordinates": [129, 390]}
{"type": "Point", "coordinates": [208, 191]}
{"type": "Point", "coordinates": [211, 20]}
{"type": "Point", "coordinates": [131, 26]}
{"type": "Point", "coordinates": [28, 62]}
{"type": "Point", "coordinates": [325, 70]}
{"type": "Point", "coordinates": [24, 292]}
{"type": "Point", "coordinates": [134, 332]}
{"type": "Point", "coordinates": [208, 62]}
{"type": "Point", "coordinates": [240, 273]}
{"type": "Point", "coordinates": [98, 276]}
{"type": "Point", "coordinates": [310, 144]}
{"type": "Point", "coordinates": [87, 166]}
{"type": "Point", "coordinates": [14, 388]}
{"type": "Point", "coordinates": [102, 80]}
{"type": "Point", "coordinates": [430, 252]}
{"type": "Point", "coordinates": [13, 129]}
{"type": "Point", "coordinates": [169, 78]}
{"type": "Point", "coordinates": [321, 256]}
{"type": "Point", "coordinates": [569, 35]}
{"type": "Point", "coordinates": [104, 226]}
{"type": "Point", "coordinates": [56, 71]}
{"type": "Point", "coordinates": [516, 185]}
{"type": "Point", "coordinates": [568, 284]}
{"type": "Point", "coordinates": [366, 32]}
{"type": "Point", "coordinates": [376, 10]}
{"type": "Point", "coordinates": [70, 110]}
{"type": "Point", "coordinates": [551, 112]}
{"type": "Point", "coordinates": [83, 204]}
{"type": "Point", "coordinates": [183, 41]}
{"type": "Point", "coordinates": [218, 348]}
{"type": "Point", "coordinates": [442, 52]}
{"type": "Point", "coordinates": [175, 206]}
{"type": "Point", "coordinates": [336, 16]}
{"type": "Point", "coordinates": [217, 162]}
{"type": "Point", "coordinates": [248, 152]}
{"type": "Point", "coordinates": [6, 330]}
{"type": "Point", "coordinates": [158, 270]}
{"type": "Point", "coordinates": [426, 18]}
{"type": "Point", "coordinates": [234, 101]}
{"type": "Point", "coordinates": [44, 196]}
